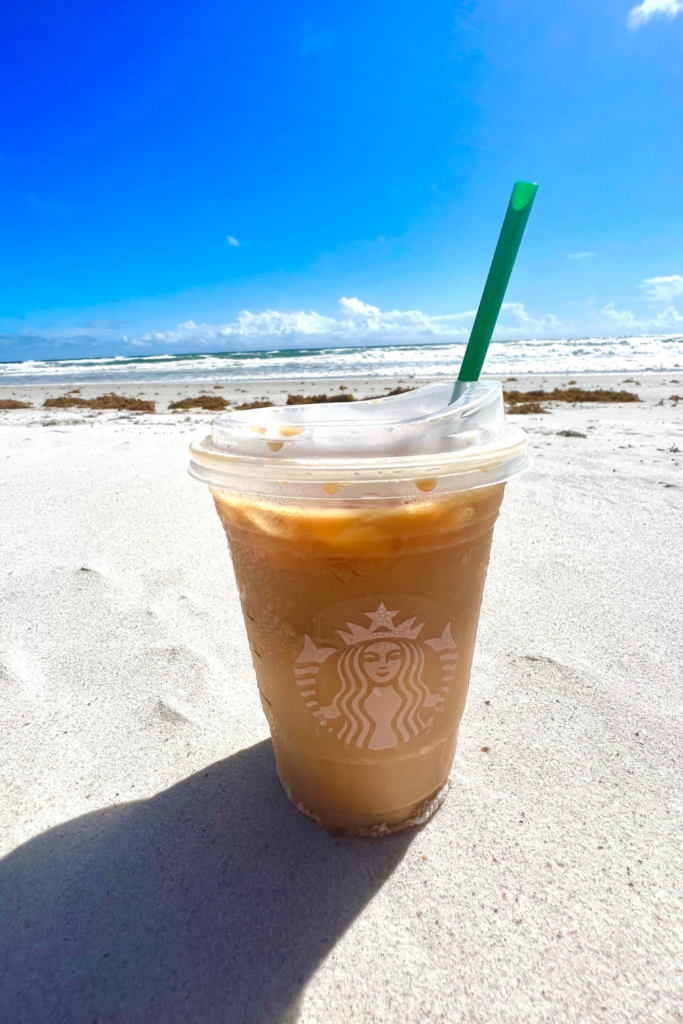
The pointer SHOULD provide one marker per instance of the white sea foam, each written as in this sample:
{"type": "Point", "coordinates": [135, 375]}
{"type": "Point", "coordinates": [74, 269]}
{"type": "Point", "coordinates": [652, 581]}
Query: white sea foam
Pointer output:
{"type": "Point", "coordinates": [576, 355]}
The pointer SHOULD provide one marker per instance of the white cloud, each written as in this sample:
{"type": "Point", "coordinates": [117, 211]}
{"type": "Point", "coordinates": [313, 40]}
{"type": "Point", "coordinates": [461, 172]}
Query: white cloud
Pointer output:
{"type": "Point", "coordinates": [357, 323]}
{"type": "Point", "coordinates": [620, 320]}
{"type": "Point", "coordinates": [579, 255]}
{"type": "Point", "coordinates": [663, 289]}
{"type": "Point", "coordinates": [232, 241]}
{"type": "Point", "coordinates": [657, 289]}
{"type": "Point", "coordinates": [639, 16]}
{"type": "Point", "coordinates": [626, 322]}
{"type": "Point", "coordinates": [670, 318]}
{"type": "Point", "coordinates": [515, 322]}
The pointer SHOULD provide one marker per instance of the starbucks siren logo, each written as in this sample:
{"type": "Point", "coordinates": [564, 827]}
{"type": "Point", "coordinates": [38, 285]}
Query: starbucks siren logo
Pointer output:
{"type": "Point", "coordinates": [382, 699]}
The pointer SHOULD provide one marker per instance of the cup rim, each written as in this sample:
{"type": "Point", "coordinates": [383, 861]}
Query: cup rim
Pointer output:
{"type": "Point", "coordinates": [226, 468]}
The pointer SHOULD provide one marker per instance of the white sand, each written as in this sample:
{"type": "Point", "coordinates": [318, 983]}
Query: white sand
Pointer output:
{"type": "Point", "coordinates": [153, 870]}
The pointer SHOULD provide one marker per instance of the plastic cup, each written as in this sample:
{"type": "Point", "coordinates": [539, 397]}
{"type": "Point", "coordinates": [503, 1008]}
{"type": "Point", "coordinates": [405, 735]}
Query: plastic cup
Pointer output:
{"type": "Point", "coordinates": [360, 556]}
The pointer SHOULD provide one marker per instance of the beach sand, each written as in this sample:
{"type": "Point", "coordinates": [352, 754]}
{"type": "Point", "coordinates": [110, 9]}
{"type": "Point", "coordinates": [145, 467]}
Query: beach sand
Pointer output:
{"type": "Point", "coordinates": [152, 869]}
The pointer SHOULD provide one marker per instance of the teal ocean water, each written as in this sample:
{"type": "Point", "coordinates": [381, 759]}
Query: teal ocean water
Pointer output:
{"type": "Point", "coordinates": [580, 355]}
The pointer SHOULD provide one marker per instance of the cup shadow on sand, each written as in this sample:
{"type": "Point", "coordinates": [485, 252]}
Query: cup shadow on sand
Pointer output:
{"type": "Point", "coordinates": [213, 901]}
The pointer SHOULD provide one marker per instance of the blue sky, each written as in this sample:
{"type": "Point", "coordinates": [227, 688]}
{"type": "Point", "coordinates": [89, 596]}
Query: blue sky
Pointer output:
{"type": "Point", "coordinates": [216, 175]}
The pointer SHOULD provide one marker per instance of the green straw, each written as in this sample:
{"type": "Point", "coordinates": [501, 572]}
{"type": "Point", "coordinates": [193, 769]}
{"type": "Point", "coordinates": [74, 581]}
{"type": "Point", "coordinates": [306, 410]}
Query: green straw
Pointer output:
{"type": "Point", "coordinates": [517, 214]}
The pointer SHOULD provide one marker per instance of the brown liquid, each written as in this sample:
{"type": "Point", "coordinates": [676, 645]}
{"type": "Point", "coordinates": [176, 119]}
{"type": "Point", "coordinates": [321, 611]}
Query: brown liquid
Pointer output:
{"type": "Point", "coordinates": [362, 624]}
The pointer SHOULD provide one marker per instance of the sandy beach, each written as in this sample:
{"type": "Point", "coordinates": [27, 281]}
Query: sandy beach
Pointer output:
{"type": "Point", "coordinates": [152, 869]}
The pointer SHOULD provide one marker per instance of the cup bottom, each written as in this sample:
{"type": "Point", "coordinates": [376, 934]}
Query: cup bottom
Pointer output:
{"type": "Point", "coordinates": [410, 817]}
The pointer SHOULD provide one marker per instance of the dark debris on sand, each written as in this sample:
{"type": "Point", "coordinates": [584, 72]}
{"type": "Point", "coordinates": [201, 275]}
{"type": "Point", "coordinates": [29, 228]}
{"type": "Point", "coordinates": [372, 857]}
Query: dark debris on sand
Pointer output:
{"type": "Point", "coordinates": [318, 399]}
{"type": "Point", "coordinates": [254, 405]}
{"type": "Point", "coordinates": [569, 395]}
{"type": "Point", "coordinates": [214, 403]}
{"type": "Point", "coordinates": [109, 401]}
{"type": "Point", "coordinates": [11, 403]}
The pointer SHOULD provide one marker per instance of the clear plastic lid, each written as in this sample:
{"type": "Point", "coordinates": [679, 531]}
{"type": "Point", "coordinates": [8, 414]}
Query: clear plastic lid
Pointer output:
{"type": "Point", "coordinates": [412, 442]}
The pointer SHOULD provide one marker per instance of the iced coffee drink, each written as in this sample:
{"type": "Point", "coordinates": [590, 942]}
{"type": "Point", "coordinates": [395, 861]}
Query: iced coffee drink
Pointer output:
{"type": "Point", "coordinates": [361, 568]}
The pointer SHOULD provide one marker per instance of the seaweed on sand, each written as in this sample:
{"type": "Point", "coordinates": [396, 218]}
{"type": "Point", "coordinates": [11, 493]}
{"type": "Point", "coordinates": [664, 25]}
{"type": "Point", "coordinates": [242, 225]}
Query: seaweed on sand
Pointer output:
{"type": "Point", "coordinates": [63, 402]}
{"type": "Point", "coordinates": [264, 404]}
{"type": "Point", "coordinates": [214, 403]}
{"type": "Point", "coordinates": [318, 399]}
{"type": "Point", "coordinates": [569, 395]}
{"type": "Point", "coordinates": [109, 401]}
{"type": "Point", "coordinates": [120, 402]}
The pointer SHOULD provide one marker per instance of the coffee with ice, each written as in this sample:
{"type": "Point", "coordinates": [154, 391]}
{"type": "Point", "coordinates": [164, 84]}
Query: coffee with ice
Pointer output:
{"type": "Point", "coordinates": [360, 537]}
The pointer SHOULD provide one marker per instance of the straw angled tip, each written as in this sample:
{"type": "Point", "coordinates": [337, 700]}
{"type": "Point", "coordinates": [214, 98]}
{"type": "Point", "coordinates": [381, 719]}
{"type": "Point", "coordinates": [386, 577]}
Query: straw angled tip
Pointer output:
{"type": "Point", "coordinates": [509, 240]}
{"type": "Point", "coordinates": [523, 194]}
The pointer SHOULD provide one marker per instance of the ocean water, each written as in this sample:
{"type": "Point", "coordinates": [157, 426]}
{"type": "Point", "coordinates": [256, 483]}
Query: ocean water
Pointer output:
{"type": "Point", "coordinates": [580, 355]}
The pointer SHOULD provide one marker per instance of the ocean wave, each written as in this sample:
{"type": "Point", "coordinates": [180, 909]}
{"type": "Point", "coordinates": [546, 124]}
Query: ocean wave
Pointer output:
{"type": "Point", "coordinates": [575, 355]}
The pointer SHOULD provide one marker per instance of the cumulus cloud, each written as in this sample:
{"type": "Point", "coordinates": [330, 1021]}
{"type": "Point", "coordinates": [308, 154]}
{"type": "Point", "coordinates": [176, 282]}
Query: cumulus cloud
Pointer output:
{"type": "Point", "coordinates": [669, 319]}
{"type": "Point", "coordinates": [232, 241]}
{"type": "Point", "coordinates": [515, 322]}
{"type": "Point", "coordinates": [663, 289]}
{"type": "Point", "coordinates": [640, 15]}
{"type": "Point", "coordinates": [621, 320]}
{"type": "Point", "coordinates": [626, 322]}
{"type": "Point", "coordinates": [357, 323]}
{"type": "Point", "coordinates": [658, 290]}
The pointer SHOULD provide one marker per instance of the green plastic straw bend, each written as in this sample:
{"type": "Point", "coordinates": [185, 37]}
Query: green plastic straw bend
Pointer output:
{"type": "Point", "coordinates": [516, 216]}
